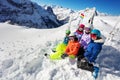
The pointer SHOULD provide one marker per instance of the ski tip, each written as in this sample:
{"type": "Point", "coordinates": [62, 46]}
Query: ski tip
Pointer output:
{"type": "Point", "coordinates": [95, 72]}
{"type": "Point", "coordinates": [45, 54]}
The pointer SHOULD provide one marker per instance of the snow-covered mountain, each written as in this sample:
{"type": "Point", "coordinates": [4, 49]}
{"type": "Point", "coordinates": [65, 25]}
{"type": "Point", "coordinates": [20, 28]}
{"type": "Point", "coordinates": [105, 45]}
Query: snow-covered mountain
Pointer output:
{"type": "Point", "coordinates": [27, 13]}
{"type": "Point", "coordinates": [21, 56]}
{"type": "Point", "coordinates": [67, 15]}
{"type": "Point", "coordinates": [102, 14]}
{"type": "Point", "coordinates": [63, 14]}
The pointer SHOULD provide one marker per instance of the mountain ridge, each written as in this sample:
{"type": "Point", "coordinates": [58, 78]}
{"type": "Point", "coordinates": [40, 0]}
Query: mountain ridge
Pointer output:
{"type": "Point", "coordinates": [27, 13]}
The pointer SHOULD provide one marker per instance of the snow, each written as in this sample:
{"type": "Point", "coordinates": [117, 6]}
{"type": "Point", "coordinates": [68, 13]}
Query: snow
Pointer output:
{"type": "Point", "coordinates": [22, 50]}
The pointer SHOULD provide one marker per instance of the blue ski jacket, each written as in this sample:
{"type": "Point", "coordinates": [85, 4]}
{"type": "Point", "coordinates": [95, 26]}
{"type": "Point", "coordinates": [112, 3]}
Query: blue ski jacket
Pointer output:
{"type": "Point", "coordinates": [93, 49]}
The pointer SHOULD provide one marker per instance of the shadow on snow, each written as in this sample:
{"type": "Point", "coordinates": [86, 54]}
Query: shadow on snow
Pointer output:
{"type": "Point", "coordinates": [109, 58]}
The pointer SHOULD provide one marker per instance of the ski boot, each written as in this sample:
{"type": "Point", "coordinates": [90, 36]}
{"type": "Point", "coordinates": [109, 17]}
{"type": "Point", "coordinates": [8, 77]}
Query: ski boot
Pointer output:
{"type": "Point", "coordinates": [46, 55]}
{"type": "Point", "coordinates": [54, 50]}
{"type": "Point", "coordinates": [95, 72]}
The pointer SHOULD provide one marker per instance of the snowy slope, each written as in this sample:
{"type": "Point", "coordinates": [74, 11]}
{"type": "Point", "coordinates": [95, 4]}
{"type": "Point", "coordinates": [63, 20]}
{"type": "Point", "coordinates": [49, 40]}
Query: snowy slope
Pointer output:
{"type": "Point", "coordinates": [109, 57]}
{"type": "Point", "coordinates": [27, 13]}
{"type": "Point", "coordinates": [22, 50]}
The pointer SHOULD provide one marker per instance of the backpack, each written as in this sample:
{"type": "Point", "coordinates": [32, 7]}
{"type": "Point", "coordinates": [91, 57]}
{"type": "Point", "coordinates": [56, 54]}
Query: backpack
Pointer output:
{"type": "Point", "coordinates": [84, 64]}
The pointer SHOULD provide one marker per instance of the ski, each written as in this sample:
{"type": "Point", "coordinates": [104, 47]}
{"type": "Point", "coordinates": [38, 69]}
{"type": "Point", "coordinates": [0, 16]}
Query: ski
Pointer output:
{"type": "Point", "coordinates": [95, 72]}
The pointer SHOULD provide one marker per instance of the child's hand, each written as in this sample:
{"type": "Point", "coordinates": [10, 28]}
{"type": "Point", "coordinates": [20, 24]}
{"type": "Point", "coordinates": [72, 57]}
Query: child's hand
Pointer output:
{"type": "Point", "coordinates": [72, 56]}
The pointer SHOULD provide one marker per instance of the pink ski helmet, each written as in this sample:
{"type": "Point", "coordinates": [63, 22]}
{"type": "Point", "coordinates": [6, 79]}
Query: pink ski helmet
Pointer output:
{"type": "Point", "coordinates": [81, 26]}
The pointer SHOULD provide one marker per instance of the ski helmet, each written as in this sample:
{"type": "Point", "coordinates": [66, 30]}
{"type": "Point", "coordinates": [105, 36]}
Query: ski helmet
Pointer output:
{"type": "Point", "coordinates": [96, 31]}
{"type": "Point", "coordinates": [72, 35]}
{"type": "Point", "coordinates": [81, 26]}
{"type": "Point", "coordinates": [68, 32]}
{"type": "Point", "coordinates": [87, 29]}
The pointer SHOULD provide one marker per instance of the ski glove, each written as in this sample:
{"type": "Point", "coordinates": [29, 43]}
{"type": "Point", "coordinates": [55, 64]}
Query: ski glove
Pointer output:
{"type": "Point", "coordinates": [64, 55]}
{"type": "Point", "coordinates": [84, 60]}
{"type": "Point", "coordinates": [89, 61]}
{"type": "Point", "coordinates": [72, 56]}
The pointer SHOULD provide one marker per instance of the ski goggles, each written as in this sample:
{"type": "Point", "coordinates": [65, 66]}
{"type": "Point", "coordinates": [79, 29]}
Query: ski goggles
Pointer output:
{"type": "Point", "coordinates": [93, 35]}
{"type": "Point", "coordinates": [71, 37]}
{"type": "Point", "coordinates": [80, 29]}
{"type": "Point", "coordinates": [87, 32]}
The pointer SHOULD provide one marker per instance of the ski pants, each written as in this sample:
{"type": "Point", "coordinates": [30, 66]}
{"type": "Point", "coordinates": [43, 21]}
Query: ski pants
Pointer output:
{"type": "Point", "coordinates": [60, 49]}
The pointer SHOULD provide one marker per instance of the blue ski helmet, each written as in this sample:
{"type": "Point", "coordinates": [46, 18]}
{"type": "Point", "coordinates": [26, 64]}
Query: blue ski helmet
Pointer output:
{"type": "Point", "coordinates": [68, 32]}
{"type": "Point", "coordinates": [96, 31]}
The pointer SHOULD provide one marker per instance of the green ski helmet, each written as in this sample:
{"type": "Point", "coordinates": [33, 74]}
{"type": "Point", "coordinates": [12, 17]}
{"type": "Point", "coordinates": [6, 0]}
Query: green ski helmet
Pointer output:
{"type": "Point", "coordinates": [68, 32]}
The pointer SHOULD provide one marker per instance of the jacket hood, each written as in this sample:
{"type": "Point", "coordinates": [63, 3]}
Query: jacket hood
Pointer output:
{"type": "Point", "coordinates": [99, 41]}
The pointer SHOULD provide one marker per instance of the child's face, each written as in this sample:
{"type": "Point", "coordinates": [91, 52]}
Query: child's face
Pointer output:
{"type": "Point", "coordinates": [71, 38]}
{"type": "Point", "coordinates": [80, 29]}
{"type": "Point", "coordinates": [87, 32]}
{"type": "Point", "coordinates": [67, 34]}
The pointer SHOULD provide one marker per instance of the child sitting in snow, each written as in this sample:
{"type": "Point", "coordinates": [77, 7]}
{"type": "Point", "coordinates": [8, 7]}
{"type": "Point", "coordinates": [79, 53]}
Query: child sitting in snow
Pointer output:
{"type": "Point", "coordinates": [94, 46]}
{"type": "Point", "coordinates": [60, 48]}
{"type": "Point", "coordinates": [72, 47]}
{"type": "Point", "coordinates": [86, 38]}
{"type": "Point", "coordinates": [79, 32]}
{"type": "Point", "coordinates": [93, 49]}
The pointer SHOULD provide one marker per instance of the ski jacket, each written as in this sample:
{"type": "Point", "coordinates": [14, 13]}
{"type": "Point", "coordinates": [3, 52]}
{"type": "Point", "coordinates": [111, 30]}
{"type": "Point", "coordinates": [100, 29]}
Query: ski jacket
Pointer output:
{"type": "Point", "coordinates": [85, 40]}
{"type": "Point", "coordinates": [60, 49]}
{"type": "Point", "coordinates": [93, 49]}
{"type": "Point", "coordinates": [66, 39]}
{"type": "Point", "coordinates": [72, 48]}
{"type": "Point", "coordinates": [78, 34]}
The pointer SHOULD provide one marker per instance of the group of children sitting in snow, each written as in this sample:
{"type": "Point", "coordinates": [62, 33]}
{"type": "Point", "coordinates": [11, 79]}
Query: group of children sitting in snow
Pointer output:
{"type": "Point", "coordinates": [84, 44]}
